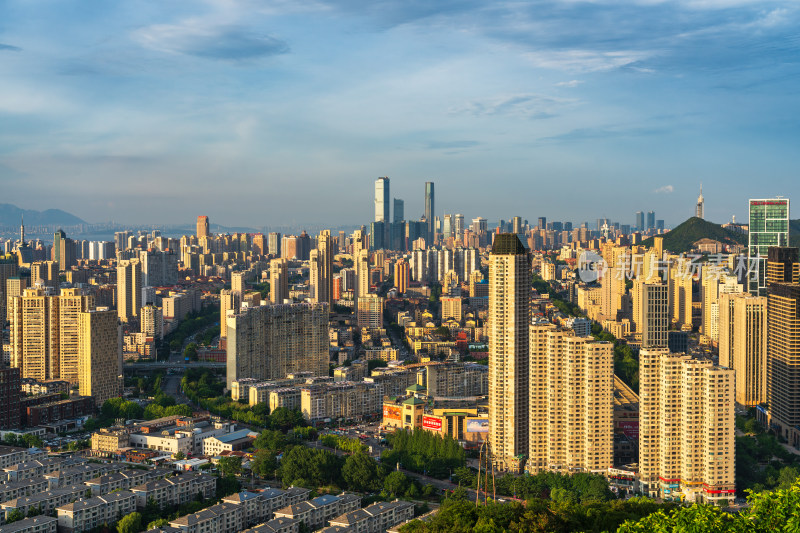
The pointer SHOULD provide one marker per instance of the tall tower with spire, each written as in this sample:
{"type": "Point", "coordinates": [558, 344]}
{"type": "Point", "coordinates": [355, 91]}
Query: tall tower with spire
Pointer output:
{"type": "Point", "coordinates": [21, 230]}
{"type": "Point", "coordinates": [699, 211]}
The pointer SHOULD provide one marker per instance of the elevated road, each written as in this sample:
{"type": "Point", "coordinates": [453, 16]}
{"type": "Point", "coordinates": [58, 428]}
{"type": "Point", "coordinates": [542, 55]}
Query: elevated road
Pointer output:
{"type": "Point", "coordinates": [166, 365]}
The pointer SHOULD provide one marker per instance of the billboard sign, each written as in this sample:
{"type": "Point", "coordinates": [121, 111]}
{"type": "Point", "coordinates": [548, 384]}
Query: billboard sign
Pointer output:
{"type": "Point", "coordinates": [433, 423]}
{"type": "Point", "coordinates": [478, 425]}
{"type": "Point", "coordinates": [392, 412]}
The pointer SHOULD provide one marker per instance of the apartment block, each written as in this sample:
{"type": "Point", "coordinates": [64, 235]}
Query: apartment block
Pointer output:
{"type": "Point", "coordinates": [314, 513]}
{"type": "Point", "coordinates": [125, 480]}
{"type": "Point", "coordinates": [686, 433]}
{"type": "Point", "coordinates": [36, 524]}
{"type": "Point", "coordinates": [219, 518]}
{"type": "Point", "coordinates": [89, 513]}
{"type": "Point", "coordinates": [272, 341]}
{"type": "Point", "coordinates": [46, 501]}
{"type": "Point", "coordinates": [344, 399]}
{"type": "Point", "coordinates": [571, 387]}
{"type": "Point", "coordinates": [375, 518]}
{"type": "Point", "coordinates": [456, 380]}
{"type": "Point", "coordinates": [175, 490]}
{"type": "Point", "coordinates": [743, 344]}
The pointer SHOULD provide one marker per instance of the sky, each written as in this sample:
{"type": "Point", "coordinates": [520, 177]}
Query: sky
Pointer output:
{"type": "Point", "coordinates": [260, 113]}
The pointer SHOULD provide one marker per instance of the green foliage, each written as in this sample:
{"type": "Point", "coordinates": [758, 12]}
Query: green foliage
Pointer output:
{"type": "Point", "coordinates": [157, 523]}
{"type": "Point", "coordinates": [210, 334]}
{"type": "Point", "coordinates": [190, 351]}
{"type": "Point", "coordinates": [265, 463]}
{"type": "Point", "coordinates": [190, 325]}
{"type": "Point", "coordinates": [376, 363]}
{"type": "Point", "coordinates": [681, 238]}
{"type": "Point", "coordinates": [14, 516]}
{"type": "Point", "coordinates": [227, 485]}
{"type": "Point", "coordinates": [310, 468]}
{"type": "Point", "coordinates": [263, 288]}
{"type": "Point", "coordinates": [271, 440]}
{"type": "Point", "coordinates": [396, 483]}
{"type": "Point", "coordinates": [575, 488]}
{"type": "Point", "coordinates": [285, 419]}
{"type": "Point", "coordinates": [131, 523]}
{"type": "Point", "coordinates": [345, 444]}
{"type": "Point", "coordinates": [179, 456]}
{"type": "Point", "coordinates": [119, 408]}
{"type": "Point", "coordinates": [28, 440]}
{"type": "Point", "coordinates": [230, 466]}
{"type": "Point", "coordinates": [361, 473]}
{"type": "Point", "coordinates": [424, 452]}
{"type": "Point", "coordinates": [443, 332]}
{"type": "Point", "coordinates": [342, 309]}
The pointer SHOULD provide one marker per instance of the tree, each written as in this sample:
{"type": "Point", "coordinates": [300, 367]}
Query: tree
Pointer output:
{"type": "Point", "coordinates": [180, 455]}
{"type": "Point", "coordinates": [230, 465]}
{"type": "Point", "coordinates": [131, 523]}
{"type": "Point", "coordinates": [285, 419]}
{"type": "Point", "coordinates": [14, 516]}
{"type": "Point", "coordinates": [360, 472]}
{"type": "Point", "coordinates": [396, 483]}
{"type": "Point", "coordinates": [190, 351]}
{"type": "Point", "coordinates": [265, 463]}
{"type": "Point", "coordinates": [157, 523]}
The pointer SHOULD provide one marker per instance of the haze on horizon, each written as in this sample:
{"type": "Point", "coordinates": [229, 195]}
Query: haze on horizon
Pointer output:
{"type": "Point", "coordinates": [262, 113]}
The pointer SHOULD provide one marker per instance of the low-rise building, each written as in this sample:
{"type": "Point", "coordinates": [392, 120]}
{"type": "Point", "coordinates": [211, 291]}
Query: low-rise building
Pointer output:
{"type": "Point", "coordinates": [108, 441]}
{"type": "Point", "coordinates": [219, 518]}
{"type": "Point", "coordinates": [35, 468]}
{"type": "Point", "coordinates": [175, 490]}
{"type": "Point", "coordinates": [187, 439]}
{"type": "Point", "coordinates": [288, 397]}
{"type": "Point", "coordinates": [230, 442]}
{"type": "Point", "coordinates": [376, 518]}
{"type": "Point", "coordinates": [314, 513]}
{"type": "Point", "coordinates": [44, 502]}
{"type": "Point", "coordinates": [347, 399]}
{"type": "Point", "coordinates": [11, 455]}
{"type": "Point", "coordinates": [78, 474]}
{"type": "Point", "coordinates": [15, 489]}
{"type": "Point", "coordinates": [277, 525]}
{"type": "Point", "coordinates": [125, 480]}
{"type": "Point", "coordinates": [36, 524]}
{"type": "Point", "coordinates": [89, 513]}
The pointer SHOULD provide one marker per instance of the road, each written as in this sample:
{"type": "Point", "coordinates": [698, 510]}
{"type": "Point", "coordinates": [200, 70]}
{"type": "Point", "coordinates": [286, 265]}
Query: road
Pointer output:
{"type": "Point", "coordinates": [178, 365]}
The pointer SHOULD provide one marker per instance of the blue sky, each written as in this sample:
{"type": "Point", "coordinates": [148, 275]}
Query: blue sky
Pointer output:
{"type": "Point", "coordinates": [270, 113]}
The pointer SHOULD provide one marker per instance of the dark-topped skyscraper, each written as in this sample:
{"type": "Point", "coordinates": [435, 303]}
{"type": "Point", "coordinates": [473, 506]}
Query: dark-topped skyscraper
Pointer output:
{"type": "Point", "coordinates": [430, 210]}
{"type": "Point", "coordinates": [509, 316]}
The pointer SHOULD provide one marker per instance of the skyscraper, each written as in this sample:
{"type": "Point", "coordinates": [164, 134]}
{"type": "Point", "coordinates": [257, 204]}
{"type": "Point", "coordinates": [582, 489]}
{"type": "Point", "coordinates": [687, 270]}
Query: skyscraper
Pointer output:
{"type": "Point", "coordinates": [274, 244]}
{"type": "Point", "coordinates": [100, 354]}
{"type": "Point", "coordinates": [399, 211]}
{"type": "Point", "coordinates": [639, 221]}
{"type": "Point", "coordinates": [509, 315]}
{"type": "Point", "coordinates": [8, 269]}
{"type": "Point", "coordinates": [686, 433]}
{"type": "Point", "coordinates": [71, 303]}
{"type": "Point", "coordinates": [278, 280]}
{"type": "Point", "coordinates": [430, 211]}
{"type": "Point", "coordinates": [570, 398]}
{"type": "Point", "coordinates": [129, 289]}
{"type": "Point", "coordinates": [651, 220]}
{"type": "Point", "coordinates": [743, 344]}
{"type": "Point", "coordinates": [271, 341]}
{"type": "Point", "coordinates": [382, 205]}
{"type": "Point", "coordinates": [321, 269]}
{"type": "Point", "coordinates": [651, 312]}
{"type": "Point", "coordinates": [202, 226]}
{"type": "Point", "coordinates": [769, 226]}
{"type": "Point", "coordinates": [783, 340]}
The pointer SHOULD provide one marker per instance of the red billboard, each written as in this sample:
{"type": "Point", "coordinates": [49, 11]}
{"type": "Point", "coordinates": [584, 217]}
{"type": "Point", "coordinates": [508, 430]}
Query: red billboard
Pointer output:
{"type": "Point", "coordinates": [392, 412]}
{"type": "Point", "coordinates": [432, 423]}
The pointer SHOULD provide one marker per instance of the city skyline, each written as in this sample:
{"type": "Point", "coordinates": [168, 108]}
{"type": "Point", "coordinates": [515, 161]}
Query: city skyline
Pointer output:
{"type": "Point", "coordinates": [256, 114]}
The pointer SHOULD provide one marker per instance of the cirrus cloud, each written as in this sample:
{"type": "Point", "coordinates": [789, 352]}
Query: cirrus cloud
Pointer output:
{"type": "Point", "coordinates": [665, 189]}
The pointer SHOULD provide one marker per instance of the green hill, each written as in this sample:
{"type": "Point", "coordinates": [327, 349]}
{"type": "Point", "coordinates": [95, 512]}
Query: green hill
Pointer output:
{"type": "Point", "coordinates": [681, 239]}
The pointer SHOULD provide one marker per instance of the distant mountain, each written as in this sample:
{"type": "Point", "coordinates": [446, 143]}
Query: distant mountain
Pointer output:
{"type": "Point", "coordinates": [681, 239]}
{"type": "Point", "coordinates": [10, 216]}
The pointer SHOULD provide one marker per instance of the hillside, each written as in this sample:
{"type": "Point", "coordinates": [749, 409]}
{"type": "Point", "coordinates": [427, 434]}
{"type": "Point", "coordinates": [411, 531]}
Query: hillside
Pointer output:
{"type": "Point", "coordinates": [681, 239]}
{"type": "Point", "coordinates": [10, 216]}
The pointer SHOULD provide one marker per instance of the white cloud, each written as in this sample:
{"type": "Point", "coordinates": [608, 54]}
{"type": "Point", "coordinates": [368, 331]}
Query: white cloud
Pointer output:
{"type": "Point", "coordinates": [570, 83]}
{"type": "Point", "coordinates": [585, 60]}
{"type": "Point", "coordinates": [665, 189]}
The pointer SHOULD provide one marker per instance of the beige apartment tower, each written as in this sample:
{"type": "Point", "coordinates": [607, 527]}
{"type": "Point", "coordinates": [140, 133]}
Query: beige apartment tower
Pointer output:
{"type": "Point", "coordinates": [369, 312]}
{"type": "Point", "coordinates": [321, 270]}
{"type": "Point", "coordinates": [129, 289]}
{"type": "Point", "coordinates": [651, 312]}
{"type": "Point", "coordinates": [100, 355]}
{"type": "Point", "coordinates": [202, 226]}
{"type": "Point", "coordinates": [686, 431]}
{"type": "Point", "coordinates": [743, 344]}
{"type": "Point", "coordinates": [278, 280]}
{"type": "Point", "coordinates": [571, 396]}
{"type": "Point", "coordinates": [71, 303]}
{"type": "Point", "coordinates": [229, 300]}
{"type": "Point", "coordinates": [508, 320]}
{"type": "Point", "coordinates": [34, 334]}
{"type": "Point", "coordinates": [271, 341]}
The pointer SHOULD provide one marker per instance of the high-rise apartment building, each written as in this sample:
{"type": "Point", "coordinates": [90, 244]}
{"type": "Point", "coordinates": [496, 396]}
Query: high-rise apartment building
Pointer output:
{"type": "Point", "coordinates": [129, 289]}
{"type": "Point", "coordinates": [159, 268]}
{"type": "Point", "coordinates": [402, 276]}
{"type": "Point", "coordinates": [686, 429]}
{"type": "Point", "coordinates": [278, 280]}
{"type": "Point", "coordinates": [10, 392]}
{"type": "Point", "coordinates": [202, 227]}
{"type": "Point", "coordinates": [369, 311]}
{"type": "Point", "coordinates": [783, 345]}
{"type": "Point", "coordinates": [100, 355]}
{"type": "Point", "coordinates": [271, 341]}
{"type": "Point", "coordinates": [680, 288]}
{"type": "Point", "coordinates": [382, 207]}
{"type": "Point", "coordinates": [651, 312]}
{"type": "Point", "coordinates": [229, 300]}
{"type": "Point", "coordinates": [274, 243]}
{"type": "Point", "coordinates": [152, 322]}
{"type": "Point", "coordinates": [509, 315]}
{"type": "Point", "coordinates": [362, 274]}
{"type": "Point", "coordinates": [769, 226]}
{"type": "Point", "coordinates": [743, 344]}
{"type": "Point", "coordinates": [47, 272]}
{"type": "Point", "coordinates": [571, 387]}
{"type": "Point", "coordinates": [430, 211]}
{"type": "Point", "coordinates": [8, 269]}
{"type": "Point", "coordinates": [639, 221]}
{"type": "Point", "coordinates": [71, 303]}
{"type": "Point", "coordinates": [321, 270]}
